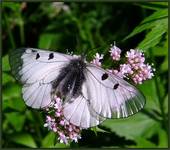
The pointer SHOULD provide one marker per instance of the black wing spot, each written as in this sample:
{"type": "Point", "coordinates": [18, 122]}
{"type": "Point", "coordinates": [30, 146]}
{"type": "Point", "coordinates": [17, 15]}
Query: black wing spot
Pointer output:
{"type": "Point", "coordinates": [105, 76]}
{"type": "Point", "coordinates": [37, 56]}
{"type": "Point", "coordinates": [51, 56]}
{"type": "Point", "coordinates": [116, 86]}
{"type": "Point", "coordinates": [33, 50]}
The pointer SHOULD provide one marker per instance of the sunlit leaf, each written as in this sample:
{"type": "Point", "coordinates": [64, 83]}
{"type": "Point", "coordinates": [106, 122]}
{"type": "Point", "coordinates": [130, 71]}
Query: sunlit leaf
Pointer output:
{"type": "Point", "coordinates": [153, 37]}
{"type": "Point", "coordinates": [136, 126]}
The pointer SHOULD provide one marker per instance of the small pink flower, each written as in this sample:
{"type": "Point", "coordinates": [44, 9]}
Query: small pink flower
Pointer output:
{"type": "Point", "coordinates": [115, 53]}
{"type": "Point", "coordinates": [97, 59]}
{"type": "Point", "coordinates": [58, 114]}
{"type": "Point", "coordinates": [48, 118]}
{"type": "Point", "coordinates": [50, 123]}
{"type": "Point", "coordinates": [125, 69]}
{"type": "Point", "coordinates": [62, 138]}
{"type": "Point", "coordinates": [54, 129]}
{"type": "Point", "coordinates": [74, 136]}
{"type": "Point", "coordinates": [62, 122]}
{"type": "Point", "coordinates": [118, 73]}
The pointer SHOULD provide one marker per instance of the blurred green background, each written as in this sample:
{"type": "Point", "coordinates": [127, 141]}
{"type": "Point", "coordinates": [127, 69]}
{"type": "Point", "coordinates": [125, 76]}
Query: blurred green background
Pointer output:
{"type": "Point", "coordinates": [87, 26]}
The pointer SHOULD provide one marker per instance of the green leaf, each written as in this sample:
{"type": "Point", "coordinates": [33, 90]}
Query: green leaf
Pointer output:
{"type": "Point", "coordinates": [136, 126]}
{"type": "Point", "coordinates": [46, 40]}
{"type": "Point", "coordinates": [24, 139]}
{"type": "Point", "coordinates": [6, 78]}
{"type": "Point", "coordinates": [144, 143]}
{"type": "Point", "coordinates": [48, 141]}
{"type": "Point", "coordinates": [152, 101]}
{"type": "Point", "coordinates": [156, 16]}
{"type": "Point", "coordinates": [94, 130]}
{"type": "Point", "coordinates": [153, 37]}
{"type": "Point", "coordinates": [163, 139]}
{"type": "Point", "coordinates": [14, 103]}
{"type": "Point", "coordinates": [13, 6]}
{"type": "Point", "coordinates": [101, 130]}
{"type": "Point", "coordinates": [5, 63]}
{"type": "Point", "coordinates": [164, 65]}
{"type": "Point", "coordinates": [153, 5]}
{"type": "Point", "coordinates": [16, 119]}
{"type": "Point", "coordinates": [149, 22]}
{"type": "Point", "coordinates": [11, 90]}
{"type": "Point", "coordinates": [161, 50]}
{"type": "Point", "coordinates": [166, 104]}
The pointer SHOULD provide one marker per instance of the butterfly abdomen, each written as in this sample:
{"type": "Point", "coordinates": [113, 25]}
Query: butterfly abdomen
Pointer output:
{"type": "Point", "coordinates": [70, 80]}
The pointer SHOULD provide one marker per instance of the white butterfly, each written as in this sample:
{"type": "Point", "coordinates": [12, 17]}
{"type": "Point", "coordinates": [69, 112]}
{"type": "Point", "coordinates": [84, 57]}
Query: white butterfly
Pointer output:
{"type": "Point", "coordinates": [91, 94]}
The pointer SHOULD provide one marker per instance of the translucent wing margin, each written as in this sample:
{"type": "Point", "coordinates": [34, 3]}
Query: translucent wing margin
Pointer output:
{"type": "Point", "coordinates": [30, 65]}
{"type": "Point", "coordinates": [111, 96]}
{"type": "Point", "coordinates": [36, 69]}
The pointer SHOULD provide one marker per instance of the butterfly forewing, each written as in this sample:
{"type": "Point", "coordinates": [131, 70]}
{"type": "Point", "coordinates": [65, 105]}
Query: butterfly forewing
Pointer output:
{"type": "Point", "coordinates": [36, 69]}
{"type": "Point", "coordinates": [31, 65]}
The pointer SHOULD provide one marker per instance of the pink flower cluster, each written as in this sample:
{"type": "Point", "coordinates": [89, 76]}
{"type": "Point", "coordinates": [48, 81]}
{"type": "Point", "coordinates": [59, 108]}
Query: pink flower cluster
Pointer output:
{"type": "Point", "coordinates": [56, 122]}
{"type": "Point", "coordinates": [141, 71]}
{"type": "Point", "coordinates": [133, 67]}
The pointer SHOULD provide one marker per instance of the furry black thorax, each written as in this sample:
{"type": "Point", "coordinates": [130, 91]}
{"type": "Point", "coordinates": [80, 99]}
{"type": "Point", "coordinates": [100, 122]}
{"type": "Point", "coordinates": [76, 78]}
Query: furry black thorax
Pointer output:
{"type": "Point", "coordinates": [71, 78]}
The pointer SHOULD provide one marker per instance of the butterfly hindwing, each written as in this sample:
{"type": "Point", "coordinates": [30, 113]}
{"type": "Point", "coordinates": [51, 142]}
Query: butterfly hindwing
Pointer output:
{"type": "Point", "coordinates": [78, 112]}
{"type": "Point", "coordinates": [37, 96]}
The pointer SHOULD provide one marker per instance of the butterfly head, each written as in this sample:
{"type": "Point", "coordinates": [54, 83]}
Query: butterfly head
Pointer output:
{"type": "Point", "coordinates": [78, 63]}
